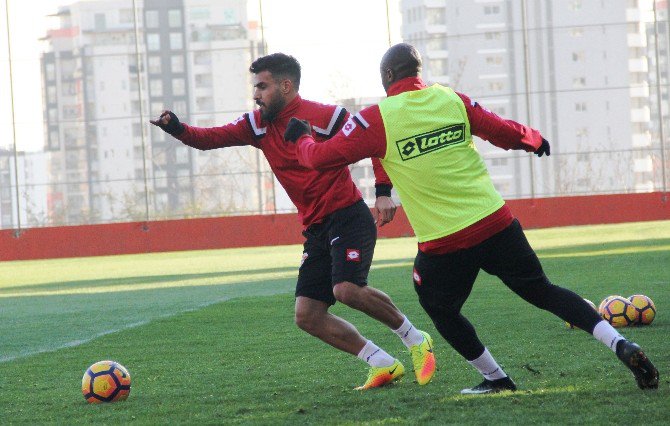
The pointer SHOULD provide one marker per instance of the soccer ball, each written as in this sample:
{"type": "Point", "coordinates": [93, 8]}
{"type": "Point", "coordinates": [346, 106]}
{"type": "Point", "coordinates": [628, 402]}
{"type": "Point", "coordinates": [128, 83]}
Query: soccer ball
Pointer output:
{"type": "Point", "coordinates": [618, 311]}
{"type": "Point", "coordinates": [645, 308]}
{"type": "Point", "coordinates": [105, 381]}
{"type": "Point", "coordinates": [572, 326]}
{"type": "Point", "coordinates": [604, 302]}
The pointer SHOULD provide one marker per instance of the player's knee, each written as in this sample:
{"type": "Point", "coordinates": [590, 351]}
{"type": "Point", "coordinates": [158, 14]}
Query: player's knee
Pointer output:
{"type": "Point", "coordinates": [305, 321]}
{"type": "Point", "coordinates": [347, 293]}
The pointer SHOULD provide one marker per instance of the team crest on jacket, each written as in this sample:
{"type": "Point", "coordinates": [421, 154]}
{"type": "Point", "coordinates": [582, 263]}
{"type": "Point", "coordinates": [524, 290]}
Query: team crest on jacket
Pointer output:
{"type": "Point", "coordinates": [417, 277]}
{"type": "Point", "coordinates": [353, 255]}
{"type": "Point", "coordinates": [348, 127]}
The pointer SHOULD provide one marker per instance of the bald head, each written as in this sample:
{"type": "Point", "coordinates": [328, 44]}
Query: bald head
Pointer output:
{"type": "Point", "coordinates": [400, 61]}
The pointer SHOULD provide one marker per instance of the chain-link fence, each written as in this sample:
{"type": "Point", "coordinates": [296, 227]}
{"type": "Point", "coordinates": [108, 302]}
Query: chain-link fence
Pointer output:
{"type": "Point", "coordinates": [81, 79]}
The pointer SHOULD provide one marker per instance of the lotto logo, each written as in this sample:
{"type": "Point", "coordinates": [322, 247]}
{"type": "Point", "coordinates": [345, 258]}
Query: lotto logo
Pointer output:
{"type": "Point", "coordinates": [417, 277]}
{"type": "Point", "coordinates": [353, 255]}
{"type": "Point", "coordinates": [428, 142]}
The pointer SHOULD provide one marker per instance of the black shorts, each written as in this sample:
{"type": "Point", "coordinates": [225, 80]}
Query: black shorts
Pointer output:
{"type": "Point", "coordinates": [444, 281]}
{"type": "Point", "coordinates": [338, 249]}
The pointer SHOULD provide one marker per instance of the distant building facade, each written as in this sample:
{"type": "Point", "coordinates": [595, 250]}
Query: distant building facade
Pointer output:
{"type": "Point", "coordinates": [578, 71]}
{"type": "Point", "coordinates": [100, 89]}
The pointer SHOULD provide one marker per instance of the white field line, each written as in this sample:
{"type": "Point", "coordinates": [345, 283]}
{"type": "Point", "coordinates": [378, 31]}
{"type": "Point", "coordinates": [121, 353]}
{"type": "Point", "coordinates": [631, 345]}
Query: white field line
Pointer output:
{"type": "Point", "coordinates": [106, 332]}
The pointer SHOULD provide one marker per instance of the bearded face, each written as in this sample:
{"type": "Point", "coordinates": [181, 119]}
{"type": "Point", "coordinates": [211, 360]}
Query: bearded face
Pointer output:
{"type": "Point", "coordinates": [271, 108]}
{"type": "Point", "coordinates": [268, 95]}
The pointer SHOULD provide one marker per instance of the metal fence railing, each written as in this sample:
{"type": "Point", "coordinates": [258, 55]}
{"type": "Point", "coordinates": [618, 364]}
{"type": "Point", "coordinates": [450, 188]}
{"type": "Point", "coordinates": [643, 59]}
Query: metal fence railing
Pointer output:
{"type": "Point", "coordinates": [81, 79]}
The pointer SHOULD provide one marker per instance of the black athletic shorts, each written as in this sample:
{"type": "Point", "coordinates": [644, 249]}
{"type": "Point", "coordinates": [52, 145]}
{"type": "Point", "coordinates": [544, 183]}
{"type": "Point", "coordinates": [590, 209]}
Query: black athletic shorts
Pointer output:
{"type": "Point", "coordinates": [444, 281]}
{"type": "Point", "coordinates": [338, 249]}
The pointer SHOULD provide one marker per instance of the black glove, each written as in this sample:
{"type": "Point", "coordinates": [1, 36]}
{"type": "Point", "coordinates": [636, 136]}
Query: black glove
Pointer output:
{"type": "Point", "coordinates": [173, 126]}
{"type": "Point", "coordinates": [296, 128]}
{"type": "Point", "coordinates": [543, 149]}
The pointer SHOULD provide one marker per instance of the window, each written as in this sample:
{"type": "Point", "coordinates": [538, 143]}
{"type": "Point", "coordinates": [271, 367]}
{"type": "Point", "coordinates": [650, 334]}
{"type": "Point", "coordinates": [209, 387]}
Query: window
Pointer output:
{"type": "Point", "coordinates": [436, 16]}
{"type": "Point", "coordinates": [437, 43]}
{"type": "Point", "coordinates": [126, 16]}
{"type": "Point", "coordinates": [174, 18]}
{"type": "Point", "coordinates": [202, 58]}
{"type": "Point", "coordinates": [580, 106]}
{"type": "Point", "coordinates": [499, 161]}
{"type": "Point", "coordinates": [578, 56]}
{"type": "Point", "coordinates": [579, 82]}
{"type": "Point", "coordinates": [575, 5]}
{"type": "Point", "coordinates": [154, 64]}
{"type": "Point", "coordinates": [177, 63]}
{"type": "Point", "coordinates": [157, 135]}
{"type": "Point", "coordinates": [178, 87]}
{"type": "Point", "coordinates": [151, 19]}
{"type": "Point", "coordinates": [577, 32]}
{"type": "Point", "coordinates": [496, 86]}
{"type": "Point", "coordinates": [137, 130]}
{"type": "Point", "coordinates": [198, 13]}
{"type": "Point", "coordinates": [100, 21]}
{"type": "Point", "coordinates": [203, 80]}
{"type": "Point", "coordinates": [153, 42]}
{"type": "Point", "coordinates": [501, 111]}
{"type": "Point", "coordinates": [494, 60]}
{"type": "Point", "coordinates": [156, 87]}
{"type": "Point", "coordinates": [51, 71]}
{"type": "Point", "coordinates": [491, 10]}
{"type": "Point", "coordinates": [438, 66]}
{"type": "Point", "coordinates": [51, 94]}
{"type": "Point", "coordinates": [179, 106]}
{"type": "Point", "coordinates": [582, 134]}
{"type": "Point", "coordinates": [493, 35]}
{"type": "Point", "coordinates": [176, 42]}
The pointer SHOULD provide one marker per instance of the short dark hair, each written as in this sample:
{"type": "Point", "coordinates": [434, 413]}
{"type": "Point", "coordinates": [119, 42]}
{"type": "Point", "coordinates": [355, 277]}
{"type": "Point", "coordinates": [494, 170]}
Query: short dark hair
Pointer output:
{"type": "Point", "coordinates": [279, 65]}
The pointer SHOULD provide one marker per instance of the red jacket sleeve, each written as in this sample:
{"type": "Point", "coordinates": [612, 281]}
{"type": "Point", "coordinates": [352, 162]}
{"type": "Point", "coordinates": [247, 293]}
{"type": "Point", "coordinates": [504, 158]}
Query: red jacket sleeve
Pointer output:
{"type": "Point", "coordinates": [362, 136]}
{"type": "Point", "coordinates": [236, 133]}
{"type": "Point", "coordinates": [382, 180]}
{"type": "Point", "coordinates": [505, 134]}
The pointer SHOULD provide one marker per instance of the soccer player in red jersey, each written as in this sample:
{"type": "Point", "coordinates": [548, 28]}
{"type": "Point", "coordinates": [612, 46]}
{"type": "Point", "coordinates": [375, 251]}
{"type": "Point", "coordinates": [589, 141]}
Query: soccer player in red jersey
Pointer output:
{"type": "Point", "coordinates": [339, 229]}
{"type": "Point", "coordinates": [423, 136]}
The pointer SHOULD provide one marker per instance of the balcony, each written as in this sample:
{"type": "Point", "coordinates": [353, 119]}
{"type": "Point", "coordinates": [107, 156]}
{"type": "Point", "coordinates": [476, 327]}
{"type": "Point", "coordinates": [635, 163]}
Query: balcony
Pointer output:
{"type": "Point", "coordinates": [638, 65]}
{"type": "Point", "coordinates": [637, 40]}
{"type": "Point", "coordinates": [641, 91]}
{"type": "Point", "coordinates": [640, 115]}
{"type": "Point", "coordinates": [641, 140]}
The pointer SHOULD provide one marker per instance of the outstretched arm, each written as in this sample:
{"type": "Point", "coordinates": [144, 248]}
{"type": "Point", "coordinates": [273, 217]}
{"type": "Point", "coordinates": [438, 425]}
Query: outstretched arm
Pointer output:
{"type": "Point", "coordinates": [503, 133]}
{"type": "Point", "coordinates": [233, 134]}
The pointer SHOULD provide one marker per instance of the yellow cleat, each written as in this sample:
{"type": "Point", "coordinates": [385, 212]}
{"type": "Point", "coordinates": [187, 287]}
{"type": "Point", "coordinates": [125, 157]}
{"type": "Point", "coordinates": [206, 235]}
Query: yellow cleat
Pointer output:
{"type": "Point", "coordinates": [423, 359]}
{"type": "Point", "coordinates": [380, 376]}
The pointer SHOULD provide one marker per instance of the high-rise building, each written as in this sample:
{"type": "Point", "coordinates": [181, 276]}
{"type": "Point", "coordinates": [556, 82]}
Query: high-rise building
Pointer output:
{"type": "Point", "coordinates": [576, 70]}
{"type": "Point", "coordinates": [30, 171]}
{"type": "Point", "coordinates": [101, 88]}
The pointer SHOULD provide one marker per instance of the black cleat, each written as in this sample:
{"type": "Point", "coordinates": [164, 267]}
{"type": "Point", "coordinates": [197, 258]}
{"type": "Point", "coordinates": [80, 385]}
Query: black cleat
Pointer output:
{"type": "Point", "coordinates": [491, 386]}
{"type": "Point", "coordinates": [644, 371]}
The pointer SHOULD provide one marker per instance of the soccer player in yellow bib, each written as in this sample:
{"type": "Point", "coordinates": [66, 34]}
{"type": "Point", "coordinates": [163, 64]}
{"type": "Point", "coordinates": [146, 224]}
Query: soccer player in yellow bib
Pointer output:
{"type": "Point", "coordinates": [423, 137]}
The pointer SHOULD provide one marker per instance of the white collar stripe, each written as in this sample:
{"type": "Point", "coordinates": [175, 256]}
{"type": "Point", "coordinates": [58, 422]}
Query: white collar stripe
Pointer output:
{"type": "Point", "coordinates": [333, 120]}
{"type": "Point", "coordinates": [252, 121]}
{"type": "Point", "coordinates": [361, 120]}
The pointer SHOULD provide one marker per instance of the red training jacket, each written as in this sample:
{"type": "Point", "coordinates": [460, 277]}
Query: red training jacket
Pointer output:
{"type": "Point", "coordinates": [315, 193]}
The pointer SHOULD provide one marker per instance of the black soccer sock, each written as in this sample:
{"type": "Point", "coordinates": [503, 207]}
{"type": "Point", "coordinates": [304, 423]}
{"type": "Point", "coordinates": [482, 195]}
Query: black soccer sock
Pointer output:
{"type": "Point", "coordinates": [565, 304]}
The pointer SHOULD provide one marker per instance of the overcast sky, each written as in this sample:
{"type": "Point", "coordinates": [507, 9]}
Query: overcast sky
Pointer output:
{"type": "Point", "coordinates": [339, 45]}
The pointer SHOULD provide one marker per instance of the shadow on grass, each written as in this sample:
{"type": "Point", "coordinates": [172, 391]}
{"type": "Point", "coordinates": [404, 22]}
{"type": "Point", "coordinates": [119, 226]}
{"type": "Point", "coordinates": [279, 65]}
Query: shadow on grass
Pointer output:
{"type": "Point", "coordinates": [247, 275]}
{"type": "Point", "coordinates": [244, 274]}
